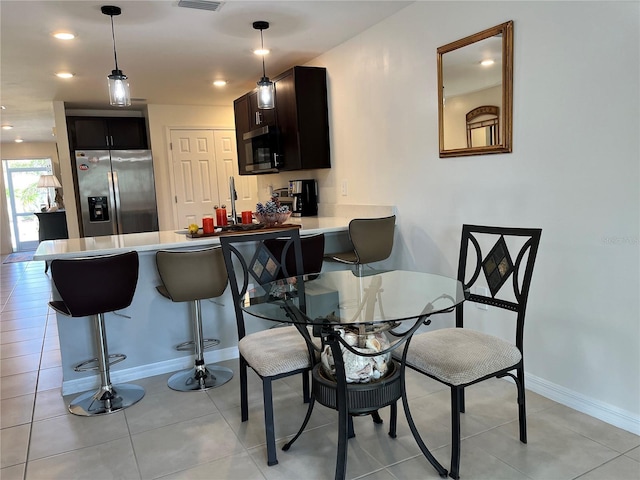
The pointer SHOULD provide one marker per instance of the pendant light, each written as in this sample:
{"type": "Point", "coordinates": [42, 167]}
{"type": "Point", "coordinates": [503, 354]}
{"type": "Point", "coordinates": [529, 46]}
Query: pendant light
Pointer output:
{"type": "Point", "coordinates": [119, 94]}
{"type": "Point", "coordinates": [266, 96]}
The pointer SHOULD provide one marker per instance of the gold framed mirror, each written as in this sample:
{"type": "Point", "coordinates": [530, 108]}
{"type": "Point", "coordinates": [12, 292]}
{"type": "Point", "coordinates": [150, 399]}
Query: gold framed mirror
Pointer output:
{"type": "Point", "coordinates": [475, 93]}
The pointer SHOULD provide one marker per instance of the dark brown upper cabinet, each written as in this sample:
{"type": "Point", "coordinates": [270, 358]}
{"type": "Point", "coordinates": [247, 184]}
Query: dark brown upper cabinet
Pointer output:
{"type": "Point", "coordinates": [300, 116]}
{"type": "Point", "coordinates": [107, 133]}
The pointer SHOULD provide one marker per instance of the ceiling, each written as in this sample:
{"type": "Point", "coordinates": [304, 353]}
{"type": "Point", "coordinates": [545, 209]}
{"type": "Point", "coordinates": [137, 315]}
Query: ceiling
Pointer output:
{"type": "Point", "coordinates": [171, 54]}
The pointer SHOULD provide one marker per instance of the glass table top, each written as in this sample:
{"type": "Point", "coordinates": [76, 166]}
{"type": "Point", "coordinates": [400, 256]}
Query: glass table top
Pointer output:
{"type": "Point", "coordinates": [341, 297]}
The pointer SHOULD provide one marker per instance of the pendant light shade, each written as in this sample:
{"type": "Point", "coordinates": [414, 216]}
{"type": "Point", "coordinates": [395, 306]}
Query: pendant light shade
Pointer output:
{"type": "Point", "coordinates": [119, 94]}
{"type": "Point", "coordinates": [266, 92]}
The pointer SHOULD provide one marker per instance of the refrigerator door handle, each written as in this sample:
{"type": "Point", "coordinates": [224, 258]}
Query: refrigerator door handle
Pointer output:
{"type": "Point", "coordinates": [114, 193]}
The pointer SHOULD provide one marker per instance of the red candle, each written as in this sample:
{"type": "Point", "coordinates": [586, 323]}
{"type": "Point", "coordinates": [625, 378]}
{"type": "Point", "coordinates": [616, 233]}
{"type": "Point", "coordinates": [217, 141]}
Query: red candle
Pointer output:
{"type": "Point", "coordinates": [207, 224]}
{"type": "Point", "coordinates": [221, 217]}
{"type": "Point", "coordinates": [247, 217]}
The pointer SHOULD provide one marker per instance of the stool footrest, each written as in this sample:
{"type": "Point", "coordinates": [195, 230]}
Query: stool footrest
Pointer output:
{"type": "Point", "coordinates": [88, 364]}
{"type": "Point", "coordinates": [189, 346]}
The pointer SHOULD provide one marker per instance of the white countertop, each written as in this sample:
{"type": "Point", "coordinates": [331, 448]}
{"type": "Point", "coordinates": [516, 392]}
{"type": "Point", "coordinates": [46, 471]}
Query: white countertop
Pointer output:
{"type": "Point", "coordinates": [153, 241]}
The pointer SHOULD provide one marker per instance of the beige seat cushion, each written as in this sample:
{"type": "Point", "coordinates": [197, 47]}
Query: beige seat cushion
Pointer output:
{"type": "Point", "coordinates": [275, 351]}
{"type": "Point", "coordinates": [458, 356]}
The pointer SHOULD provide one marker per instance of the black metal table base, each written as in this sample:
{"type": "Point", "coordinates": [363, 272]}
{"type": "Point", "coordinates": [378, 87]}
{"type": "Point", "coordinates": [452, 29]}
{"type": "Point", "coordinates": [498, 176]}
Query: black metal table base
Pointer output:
{"type": "Point", "coordinates": [353, 399]}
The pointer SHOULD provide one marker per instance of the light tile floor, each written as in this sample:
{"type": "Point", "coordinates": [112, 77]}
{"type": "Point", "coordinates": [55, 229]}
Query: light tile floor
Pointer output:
{"type": "Point", "coordinates": [173, 435]}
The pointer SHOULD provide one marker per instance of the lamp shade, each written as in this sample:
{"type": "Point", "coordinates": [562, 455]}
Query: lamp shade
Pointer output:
{"type": "Point", "coordinates": [49, 181]}
{"type": "Point", "coordinates": [119, 94]}
{"type": "Point", "coordinates": [266, 95]}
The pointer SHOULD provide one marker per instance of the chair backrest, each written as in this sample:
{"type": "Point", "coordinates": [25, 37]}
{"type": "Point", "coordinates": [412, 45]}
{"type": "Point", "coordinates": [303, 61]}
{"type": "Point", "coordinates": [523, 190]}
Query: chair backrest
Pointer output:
{"type": "Point", "coordinates": [192, 275]}
{"type": "Point", "coordinates": [372, 238]}
{"type": "Point", "coordinates": [312, 253]}
{"type": "Point", "coordinates": [93, 285]}
{"type": "Point", "coordinates": [257, 264]}
{"type": "Point", "coordinates": [497, 262]}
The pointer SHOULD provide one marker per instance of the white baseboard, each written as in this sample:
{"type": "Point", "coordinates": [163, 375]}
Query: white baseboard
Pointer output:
{"type": "Point", "coordinates": [85, 384]}
{"type": "Point", "coordinates": [600, 410]}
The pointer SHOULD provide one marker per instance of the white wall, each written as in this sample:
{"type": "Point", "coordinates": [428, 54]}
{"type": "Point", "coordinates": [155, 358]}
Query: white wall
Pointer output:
{"type": "Point", "coordinates": [573, 172]}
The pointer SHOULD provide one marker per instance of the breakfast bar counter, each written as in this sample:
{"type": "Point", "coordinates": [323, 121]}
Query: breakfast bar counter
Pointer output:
{"type": "Point", "coordinates": [149, 329]}
{"type": "Point", "coordinates": [153, 241]}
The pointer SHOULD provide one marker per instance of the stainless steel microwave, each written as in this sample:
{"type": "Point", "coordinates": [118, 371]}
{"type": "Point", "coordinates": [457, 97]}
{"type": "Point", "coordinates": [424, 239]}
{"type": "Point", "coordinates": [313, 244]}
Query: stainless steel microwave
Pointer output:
{"type": "Point", "coordinates": [262, 148]}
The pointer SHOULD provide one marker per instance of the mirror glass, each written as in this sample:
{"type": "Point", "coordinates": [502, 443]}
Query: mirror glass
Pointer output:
{"type": "Point", "coordinates": [475, 80]}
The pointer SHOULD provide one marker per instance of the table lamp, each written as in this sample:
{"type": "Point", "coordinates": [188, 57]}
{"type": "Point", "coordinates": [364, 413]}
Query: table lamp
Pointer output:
{"type": "Point", "coordinates": [48, 181]}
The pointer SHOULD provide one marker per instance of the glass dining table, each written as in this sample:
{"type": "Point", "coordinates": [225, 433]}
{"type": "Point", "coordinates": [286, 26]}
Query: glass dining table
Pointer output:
{"type": "Point", "coordinates": [354, 323]}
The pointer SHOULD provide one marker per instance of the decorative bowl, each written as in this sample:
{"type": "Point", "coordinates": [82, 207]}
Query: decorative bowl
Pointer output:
{"type": "Point", "coordinates": [271, 219]}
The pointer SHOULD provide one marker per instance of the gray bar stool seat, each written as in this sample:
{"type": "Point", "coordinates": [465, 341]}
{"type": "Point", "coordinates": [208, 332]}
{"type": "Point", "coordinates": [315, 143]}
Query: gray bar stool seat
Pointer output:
{"type": "Point", "coordinates": [192, 276]}
{"type": "Point", "coordinates": [92, 287]}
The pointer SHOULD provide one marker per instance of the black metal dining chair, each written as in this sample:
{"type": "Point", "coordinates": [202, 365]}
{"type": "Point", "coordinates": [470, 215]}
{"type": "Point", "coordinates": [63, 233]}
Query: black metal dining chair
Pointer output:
{"type": "Point", "coordinates": [276, 352]}
{"type": "Point", "coordinates": [460, 357]}
{"type": "Point", "coordinates": [371, 240]}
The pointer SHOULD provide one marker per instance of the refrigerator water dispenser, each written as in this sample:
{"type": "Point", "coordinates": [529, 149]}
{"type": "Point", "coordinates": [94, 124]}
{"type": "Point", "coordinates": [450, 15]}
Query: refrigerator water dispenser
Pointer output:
{"type": "Point", "coordinates": [98, 209]}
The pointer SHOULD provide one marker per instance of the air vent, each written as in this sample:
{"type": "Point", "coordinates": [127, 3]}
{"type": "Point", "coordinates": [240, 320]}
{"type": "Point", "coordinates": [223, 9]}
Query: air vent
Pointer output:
{"type": "Point", "coordinates": [201, 4]}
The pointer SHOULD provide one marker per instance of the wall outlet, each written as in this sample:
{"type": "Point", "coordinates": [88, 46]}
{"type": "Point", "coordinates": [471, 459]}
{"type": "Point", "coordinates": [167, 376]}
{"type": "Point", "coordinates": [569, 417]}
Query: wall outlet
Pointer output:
{"type": "Point", "coordinates": [484, 291]}
{"type": "Point", "coordinates": [344, 188]}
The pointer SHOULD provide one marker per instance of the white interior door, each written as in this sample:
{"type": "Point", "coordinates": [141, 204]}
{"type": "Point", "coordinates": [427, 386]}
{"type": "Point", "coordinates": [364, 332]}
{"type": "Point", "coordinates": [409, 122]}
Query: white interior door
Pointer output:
{"type": "Point", "coordinates": [227, 163]}
{"type": "Point", "coordinates": [202, 161]}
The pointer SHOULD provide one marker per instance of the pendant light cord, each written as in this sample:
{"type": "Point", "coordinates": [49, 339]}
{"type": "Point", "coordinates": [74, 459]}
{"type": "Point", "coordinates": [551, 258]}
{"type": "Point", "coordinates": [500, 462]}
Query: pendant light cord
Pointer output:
{"type": "Point", "coordinates": [113, 36]}
{"type": "Point", "coordinates": [264, 74]}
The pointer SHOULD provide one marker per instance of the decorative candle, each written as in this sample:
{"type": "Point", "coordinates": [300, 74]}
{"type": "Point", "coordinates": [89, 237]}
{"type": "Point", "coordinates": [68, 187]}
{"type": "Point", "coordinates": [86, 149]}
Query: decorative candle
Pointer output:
{"type": "Point", "coordinates": [221, 216]}
{"type": "Point", "coordinates": [207, 224]}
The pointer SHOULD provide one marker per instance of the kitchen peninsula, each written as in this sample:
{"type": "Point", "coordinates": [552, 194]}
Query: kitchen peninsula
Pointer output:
{"type": "Point", "coordinates": [148, 330]}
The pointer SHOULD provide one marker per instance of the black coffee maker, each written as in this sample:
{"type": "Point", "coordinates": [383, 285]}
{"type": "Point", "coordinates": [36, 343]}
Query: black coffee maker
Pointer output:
{"type": "Point", "coordinates": [305, 197]}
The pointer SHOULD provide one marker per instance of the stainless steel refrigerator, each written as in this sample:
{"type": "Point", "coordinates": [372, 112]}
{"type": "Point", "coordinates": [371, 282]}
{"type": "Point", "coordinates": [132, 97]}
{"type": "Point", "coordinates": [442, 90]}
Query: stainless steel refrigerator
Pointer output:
{"type": "Point", "coordinates": [116, 192]}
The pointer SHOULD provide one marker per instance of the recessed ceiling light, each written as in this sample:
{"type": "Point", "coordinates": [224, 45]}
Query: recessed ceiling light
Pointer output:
{"type": "Point", "coordinates": [488, 62]}
{"type": "Point", "coordinates": [19, 140]}
{"type": "Point", "coordinates": [3, 107]}
{"type": "Point", "coordinates": [261, 51]}
{"type": "Point", "coordinates": [7, 127]}
{"type": "Point", "coordinates": [220, 83]}
{"type": "Point", "coordinates": [64, 75]}
{"type": "Point", "coordinates": [64, 35]}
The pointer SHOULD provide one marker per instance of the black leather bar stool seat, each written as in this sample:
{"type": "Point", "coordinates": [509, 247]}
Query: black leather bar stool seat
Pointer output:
{"type": "Point", "coordinates": [192, 276]}
{"type": "Point", "coordinates": [92, 287]}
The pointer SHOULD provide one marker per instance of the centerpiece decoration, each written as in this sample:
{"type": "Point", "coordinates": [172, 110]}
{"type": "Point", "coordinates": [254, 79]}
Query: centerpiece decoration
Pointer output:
{"type": "Point", "coordinates": [272, 213]}
{"type": "Point", "coordinates": [359, 369]}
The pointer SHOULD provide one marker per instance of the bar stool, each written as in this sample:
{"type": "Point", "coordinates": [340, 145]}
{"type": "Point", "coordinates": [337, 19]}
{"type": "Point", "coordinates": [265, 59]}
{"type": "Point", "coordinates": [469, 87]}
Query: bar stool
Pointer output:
{"type": "Point", "coordinates": [371, 239]}
{"type": "Point", "coordinates": [92, 287]}
{"type": "Point", "coordinates": [192, 276]}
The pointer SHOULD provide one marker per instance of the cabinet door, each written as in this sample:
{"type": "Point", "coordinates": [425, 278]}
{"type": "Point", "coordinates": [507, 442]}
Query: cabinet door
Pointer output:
{"type": "Point", "coordinates": [127, 133]}
{"type": "Point", "coordinates": [241, 112]}
{"type": "Point", "coordinates": [313, 117]}
{"type": "Point", "coordinates": [258, 117]}
{"type": "Point", "coordinates": [288, 122]}
{"type": "Point", "coordinates": [301, 103]}
{"type": "Point", "coordinates": [88, 133]}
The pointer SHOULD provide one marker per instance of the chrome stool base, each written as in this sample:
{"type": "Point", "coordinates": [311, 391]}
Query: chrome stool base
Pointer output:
{"type": "Point", "coordinates": [200, 378]}
{"type": "Point", "coordinates": [106, 400]}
